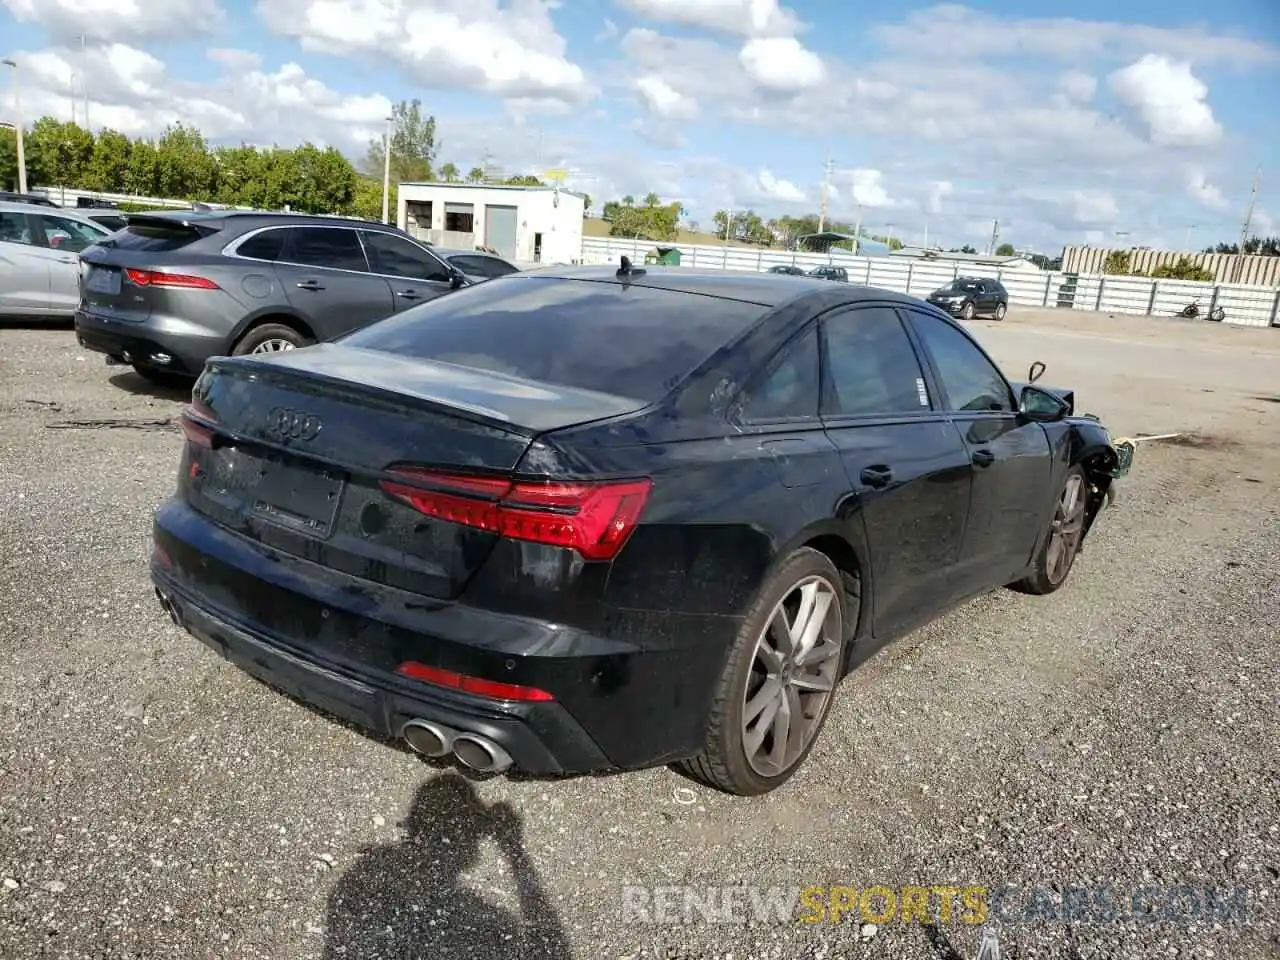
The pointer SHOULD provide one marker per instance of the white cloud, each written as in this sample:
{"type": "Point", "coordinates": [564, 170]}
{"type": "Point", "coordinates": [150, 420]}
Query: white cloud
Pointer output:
{"type": "Point", "coordinates": [513, 51]}
{"type": "Point", "coordinates": [938, 192]}
{"type": "Point", "coordinates": [1078, 86]}
{"type": "Point", "coordinates": [132, 20]}
{"type": "Point", "coordinates": [235, 59]}
{"type": "Point", "coordinates": [1202, 191]}
{"type": "Point", "coordinates": [663, 100]}
{"type": "Point", "coordinates": [1093, 206]}
{"type": "Point", "coordinates": [748, 18]}
{"type": "Point", "coordinates": [781, 64]}
{"type": "Point", "coordinates": [784, 191]}
{"type": "Point", "coordinates": [867, 188]}
{"type": "Point", "coordinates": [1170, 99]}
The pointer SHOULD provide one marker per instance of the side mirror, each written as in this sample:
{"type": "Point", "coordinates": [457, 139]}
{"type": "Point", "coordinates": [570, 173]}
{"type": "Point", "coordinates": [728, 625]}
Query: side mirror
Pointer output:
{"type": "Point", "coordinates": [457, 279]}
{"type": "Point", "coordinates": [1041, 405]}
{"type": "Point", "coordinates": [1036, 372]}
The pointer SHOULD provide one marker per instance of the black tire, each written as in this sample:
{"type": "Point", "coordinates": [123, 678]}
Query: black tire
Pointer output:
{"type": "Point", "coordinates": [1045, 576]}
{"type": "Point", "coordinates": [162, 378]}
{"type": "Point", "coordinates": [268, 332]}
{"type": "Point", "coordinates": [967, 311]}
{"type": "Point", "coordinates": [1001, 310]}
{"type": "Point", "coordinates": [1217, 315]}
{"type": "Point", "coordinates": [723, 762]}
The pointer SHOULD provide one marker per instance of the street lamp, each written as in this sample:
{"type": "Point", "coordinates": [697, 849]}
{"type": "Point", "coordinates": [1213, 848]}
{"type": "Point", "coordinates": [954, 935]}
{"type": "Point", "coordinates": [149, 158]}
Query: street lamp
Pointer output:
{"type": "Point", "coordinates": [17, 125]}
{"type": "Point", "coordinates": [386, 171]}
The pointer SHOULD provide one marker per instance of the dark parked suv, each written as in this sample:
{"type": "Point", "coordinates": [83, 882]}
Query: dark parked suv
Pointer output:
{"type": "Point", "coordinates": [173, 289]}
{"type": "Point", "coordinates": [966, 297]}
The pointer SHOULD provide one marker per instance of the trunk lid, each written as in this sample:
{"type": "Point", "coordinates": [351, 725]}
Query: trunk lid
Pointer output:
{"type": "Point", "coordinates": [303, 441]}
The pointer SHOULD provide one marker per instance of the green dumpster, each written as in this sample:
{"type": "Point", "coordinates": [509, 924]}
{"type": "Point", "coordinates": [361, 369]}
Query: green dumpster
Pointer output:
{"type": "Point", "coordinates": [668, 256]}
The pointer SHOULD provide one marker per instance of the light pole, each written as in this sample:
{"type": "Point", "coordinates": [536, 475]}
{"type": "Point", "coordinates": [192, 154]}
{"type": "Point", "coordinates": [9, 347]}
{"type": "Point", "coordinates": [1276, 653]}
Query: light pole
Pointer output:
{"type": "Point", "coordinates": [386, 171]}
{"type": "Point", "coordinates": [17, 126]}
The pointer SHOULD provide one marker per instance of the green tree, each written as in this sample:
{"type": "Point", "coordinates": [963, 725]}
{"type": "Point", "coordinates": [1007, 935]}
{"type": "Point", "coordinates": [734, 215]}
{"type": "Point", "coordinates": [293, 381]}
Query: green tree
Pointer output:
{"type": "Point", "coordinates": [8, 159]}
{"type": "Point", "coordinates": [1118, 262]}
{"type": "Point", "coordinates": [449, 173]}
{"type": "Point", "coordinates": [142, 176]}
{"type": "Point", "coordinates": [586, 204]}
{"type": "Point", "coordinates": [651, 200]}
{"type": "Point", "coordinates": [657, 222]}
{"type": "Point", "coordinates": [108, 168]}
{"type": "Point", "coordinates": [186, 170]}
{"type": "Point", "coordinates": [894, 243]}
{"type": "Point", "coordinates": [1184, 269]}
{"type": "Point", "coordinates": [413, 145]}
{"type": "Point", "coordinates": [326, 180]}
{"type": "Point", "coordinates": [524, 180]}
{"type": "Point", "coordinates": [475, 175]}
{"type": "Point", "coordinates": [1006, 250]}
{"type": "Point", "coordinates": [628, 201]}
{"type": "Point", "coordinates": [366, 201]}
{"type": "Point", "coordinates": [57, 153]}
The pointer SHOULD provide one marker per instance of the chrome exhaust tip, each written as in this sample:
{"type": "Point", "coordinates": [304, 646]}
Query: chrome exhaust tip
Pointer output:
{"type": "Point", "coordinates": [168, 608]}
{"type": "Point", "coordinates": [428, 739]}
{"type": "Point", "coordinates": [480, 753]}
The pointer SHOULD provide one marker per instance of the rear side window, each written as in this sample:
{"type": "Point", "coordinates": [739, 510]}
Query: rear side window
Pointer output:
{"type": "Point", "coordinates": [332, 247]}
{"type": "Point", "coordinates": [630, 341]}
{"type": "Point", "coordinates": [154, 238]}
{"type": "Point", "coordinates": [789, 387]}
{"type": "Point", "coordinates": [262, 246]}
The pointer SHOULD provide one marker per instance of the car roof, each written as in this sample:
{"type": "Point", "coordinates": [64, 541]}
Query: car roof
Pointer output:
{"type": "Point", "coordinates": [762, 289]}
{"type": "Point", "coordinates": [265, 218]}
{"type": "Point", "coordinates": [33, 209]}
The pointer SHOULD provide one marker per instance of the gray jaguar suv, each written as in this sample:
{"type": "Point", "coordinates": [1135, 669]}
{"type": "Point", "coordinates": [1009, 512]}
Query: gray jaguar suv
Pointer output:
{"type": "Point", "coordinates": [172, 289]}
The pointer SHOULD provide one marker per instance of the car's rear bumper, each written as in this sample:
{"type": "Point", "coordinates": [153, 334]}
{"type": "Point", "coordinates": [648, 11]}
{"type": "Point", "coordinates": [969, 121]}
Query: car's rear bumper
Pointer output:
{"type": "Point", "coordinates": [143, 343]}
{"type": "Point", "coordinates": [636, 697]}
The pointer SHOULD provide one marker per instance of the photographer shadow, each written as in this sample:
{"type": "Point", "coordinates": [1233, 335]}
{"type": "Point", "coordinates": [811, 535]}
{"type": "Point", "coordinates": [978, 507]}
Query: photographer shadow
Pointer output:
{"type": "Point", "coordinates": [408, 900]}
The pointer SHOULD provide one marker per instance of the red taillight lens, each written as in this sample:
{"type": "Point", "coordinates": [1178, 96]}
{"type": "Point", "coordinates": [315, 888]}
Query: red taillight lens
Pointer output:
{"type": "Point", "coordinates": [493, 689]}
{"type": "Point", "coordinates": [198, 424]}
{"type": "Point", "coordinates": [594, 519]}
{"type": "Point", "coordinates": [153, 278]}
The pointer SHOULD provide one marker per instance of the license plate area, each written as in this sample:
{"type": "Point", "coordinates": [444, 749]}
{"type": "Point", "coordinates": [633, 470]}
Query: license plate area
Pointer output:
{"type": "Point", "coordinates": [276, 490]}
{"type": "Point", "coordinates": [105, 280]}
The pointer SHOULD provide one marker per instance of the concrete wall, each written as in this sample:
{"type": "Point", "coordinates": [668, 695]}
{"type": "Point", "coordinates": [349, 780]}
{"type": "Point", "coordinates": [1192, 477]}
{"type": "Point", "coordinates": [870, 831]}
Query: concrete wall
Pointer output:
{"type": "Point", "coordinates": [557, 216]}
{"type": "Point", "coordinates": [1225, 267]}
{"type": "Point", "coordinates": [1246, 305]}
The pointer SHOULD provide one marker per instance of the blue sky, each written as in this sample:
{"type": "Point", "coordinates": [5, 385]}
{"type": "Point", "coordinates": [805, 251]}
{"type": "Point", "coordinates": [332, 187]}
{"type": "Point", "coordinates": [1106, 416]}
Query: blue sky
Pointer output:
{"type": "Point", "coordinates": [937, 118]}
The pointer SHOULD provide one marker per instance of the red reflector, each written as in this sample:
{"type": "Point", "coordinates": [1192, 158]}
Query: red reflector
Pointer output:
{"type": "Point", "coordinates": [593, 518]}
{"type": "Point", "coordinates": [161, 556]}
{"type": "Point", "coordinates": [197, 424]}
{"type": "Point", "coordinates": [492, 689]}
{"type": "Point", "coordinates": [153, 278]}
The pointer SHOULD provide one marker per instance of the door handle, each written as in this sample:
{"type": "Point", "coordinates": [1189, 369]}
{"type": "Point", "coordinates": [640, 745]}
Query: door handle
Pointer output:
{"type": "Point", "coordinates": [409, 294]}
{"type": "Point", "coordinates": [876, 476]}
{"type": "Point", "coordinates": [983, 458]}
{"type": "Point", "coordinates": [310, 285]}
{"type": "Point", "coordinates": [68, 259]}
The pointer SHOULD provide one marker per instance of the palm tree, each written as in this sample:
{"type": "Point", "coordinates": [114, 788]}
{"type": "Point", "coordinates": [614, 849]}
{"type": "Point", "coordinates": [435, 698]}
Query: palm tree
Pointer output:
{"type": "Point", "coordinates": [628, 201]}
{"type": "Point", "coordinates": [476, 175]}
{"type": "Point", "coordinates": [651, 200]}
{"type": "Point", "coordinates": [449, 173]}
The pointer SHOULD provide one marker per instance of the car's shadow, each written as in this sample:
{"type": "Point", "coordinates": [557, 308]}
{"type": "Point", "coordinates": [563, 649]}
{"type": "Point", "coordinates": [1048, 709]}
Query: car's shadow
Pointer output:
{"type": "Point", "coordinates": [409, 898]}
{"type": "Point", "coordinates": [179, 391]}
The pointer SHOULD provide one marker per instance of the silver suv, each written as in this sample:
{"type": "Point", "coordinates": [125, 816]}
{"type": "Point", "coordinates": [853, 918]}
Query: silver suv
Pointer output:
{"type": "Point", "coordinates": [173, 289]}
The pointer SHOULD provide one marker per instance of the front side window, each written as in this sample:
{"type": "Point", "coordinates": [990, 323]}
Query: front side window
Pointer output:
{"type": "Point", "coordinates": [873, 368]}
{"type": "Point", "coordinates": [488, 267]}
{"type": "Point", "coordinates": [788, 387]}
{"type": "Point", "coordinates": [71, 236]}
{"type": "Point", "coordinates": [972, 382]}
{"type": "Point", "coordinates": [335, 248]}
{"type": "Point", "coordinates": [397, 257]}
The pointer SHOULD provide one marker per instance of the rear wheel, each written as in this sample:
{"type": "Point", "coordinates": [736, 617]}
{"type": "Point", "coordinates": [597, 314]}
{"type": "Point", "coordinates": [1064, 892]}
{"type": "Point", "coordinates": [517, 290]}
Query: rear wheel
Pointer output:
{"type": "Point", "coordinates": [1001, 310]}
{"type": "Point", "coordinates": [1066, 531]}
{"type": "Point", "coordinates": [776, 690]}
{"type": "Point", "coordinates": [966, 312]}
{"type": "Point", "coordinates": [270, 338]}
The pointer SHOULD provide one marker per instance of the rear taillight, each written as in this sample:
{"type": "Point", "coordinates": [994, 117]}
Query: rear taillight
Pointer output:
{"type": "Point", "coordinates": [153, 278]}
{"type": "Point", "coordinates": [198, 423]}
{"type": "Point", "coordinates": [493, 689]}
{"type": "Point", "coordinates": [594, 519]}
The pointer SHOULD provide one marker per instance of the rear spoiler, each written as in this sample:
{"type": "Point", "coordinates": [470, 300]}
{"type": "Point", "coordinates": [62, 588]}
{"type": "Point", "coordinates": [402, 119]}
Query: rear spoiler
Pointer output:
{"type": "Point", "coordinates": [162, 221]}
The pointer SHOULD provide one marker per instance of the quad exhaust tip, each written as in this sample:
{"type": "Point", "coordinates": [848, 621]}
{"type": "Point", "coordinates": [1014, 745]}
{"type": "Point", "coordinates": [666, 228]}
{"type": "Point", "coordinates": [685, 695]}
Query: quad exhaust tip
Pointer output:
{"type": "Point", "coordinates": [470, 749]}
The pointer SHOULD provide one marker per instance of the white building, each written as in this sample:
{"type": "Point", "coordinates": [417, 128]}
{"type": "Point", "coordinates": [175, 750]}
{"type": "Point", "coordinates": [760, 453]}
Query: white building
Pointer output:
{"type": "Point", "coordinates": [523, 224]}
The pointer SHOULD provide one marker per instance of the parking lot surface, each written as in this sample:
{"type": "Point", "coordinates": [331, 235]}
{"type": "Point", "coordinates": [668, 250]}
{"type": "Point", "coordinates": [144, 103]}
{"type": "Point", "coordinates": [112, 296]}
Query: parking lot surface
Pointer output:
{"type": "Point", "coordinates": [1122, 733]}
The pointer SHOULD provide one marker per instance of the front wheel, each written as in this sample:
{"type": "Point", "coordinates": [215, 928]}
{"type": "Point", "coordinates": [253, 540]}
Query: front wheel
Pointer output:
{"type": "Point", "coordinates": [1056, 555]}
{"type": "Point", "coordinates": [966, 312]}
{"type": "Point", "coordinates": [778, 682]}
{"type": "Point", "coordinates": [1001, 310]}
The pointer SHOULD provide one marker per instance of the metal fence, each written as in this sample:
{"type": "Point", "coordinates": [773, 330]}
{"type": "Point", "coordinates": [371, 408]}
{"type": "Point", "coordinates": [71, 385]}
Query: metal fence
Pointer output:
{"type": "Point", "coordinates": [1245, 305]}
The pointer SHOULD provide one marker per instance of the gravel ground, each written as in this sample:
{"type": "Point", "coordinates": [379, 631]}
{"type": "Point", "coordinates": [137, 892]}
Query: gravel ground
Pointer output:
{"type": "Point", "coordinates": [1122, 733]}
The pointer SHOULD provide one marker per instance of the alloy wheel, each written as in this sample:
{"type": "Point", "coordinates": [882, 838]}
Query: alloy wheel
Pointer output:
{"type": "Point", "coordinates": [1066, 529]}
{"type": "Point", "coordinates": [793, 674]}
{"type": "Point", "coordinates": [273, 345]}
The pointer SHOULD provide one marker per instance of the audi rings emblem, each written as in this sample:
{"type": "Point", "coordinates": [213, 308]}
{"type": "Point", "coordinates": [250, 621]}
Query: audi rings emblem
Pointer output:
{"type": "Point", "coordinates": [289, 424]}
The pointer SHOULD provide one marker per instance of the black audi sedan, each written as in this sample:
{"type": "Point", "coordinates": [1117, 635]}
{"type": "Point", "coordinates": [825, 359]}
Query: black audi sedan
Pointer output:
{"type": "Point", "coordinates": [586, 519]}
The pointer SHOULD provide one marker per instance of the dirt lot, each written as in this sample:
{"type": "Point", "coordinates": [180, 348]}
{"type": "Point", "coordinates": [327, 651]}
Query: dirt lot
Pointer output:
{"type": "Point", "coordinates": [155, 802]}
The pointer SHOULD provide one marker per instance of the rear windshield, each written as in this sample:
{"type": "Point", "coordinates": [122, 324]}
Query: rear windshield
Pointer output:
{"type": "Point", "coordinates": [154, 237]}
{"type": "Point", "coordinates": [630, 341]}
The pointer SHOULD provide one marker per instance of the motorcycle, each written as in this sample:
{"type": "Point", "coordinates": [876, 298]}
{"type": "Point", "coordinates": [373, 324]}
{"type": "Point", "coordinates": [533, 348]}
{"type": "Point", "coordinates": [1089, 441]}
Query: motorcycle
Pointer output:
{"type": "Point", "coordinates": [1192, 310]}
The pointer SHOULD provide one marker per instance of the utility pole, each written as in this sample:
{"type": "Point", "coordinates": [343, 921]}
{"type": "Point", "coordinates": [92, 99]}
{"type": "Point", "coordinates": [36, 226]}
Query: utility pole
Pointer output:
{"type": "Point", "coordinates": [17, 126]}
{"type": "Point", "coordinates": [995, 236]}
{"type": "Point", "coordinates": [386, 172]}
{"type": "Point", "coordinates": [84, 76]}
{"type": "Point", "coordinates": [857, 232]}
{"type": "Point", "coordinates": [1244, 232]}
{"type": "Point", "coordinates": [826, 186]}
{"type": "Point", "coordinates": [72, 85]}
{"type": "Point", "coordinates": [1186, 242]}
